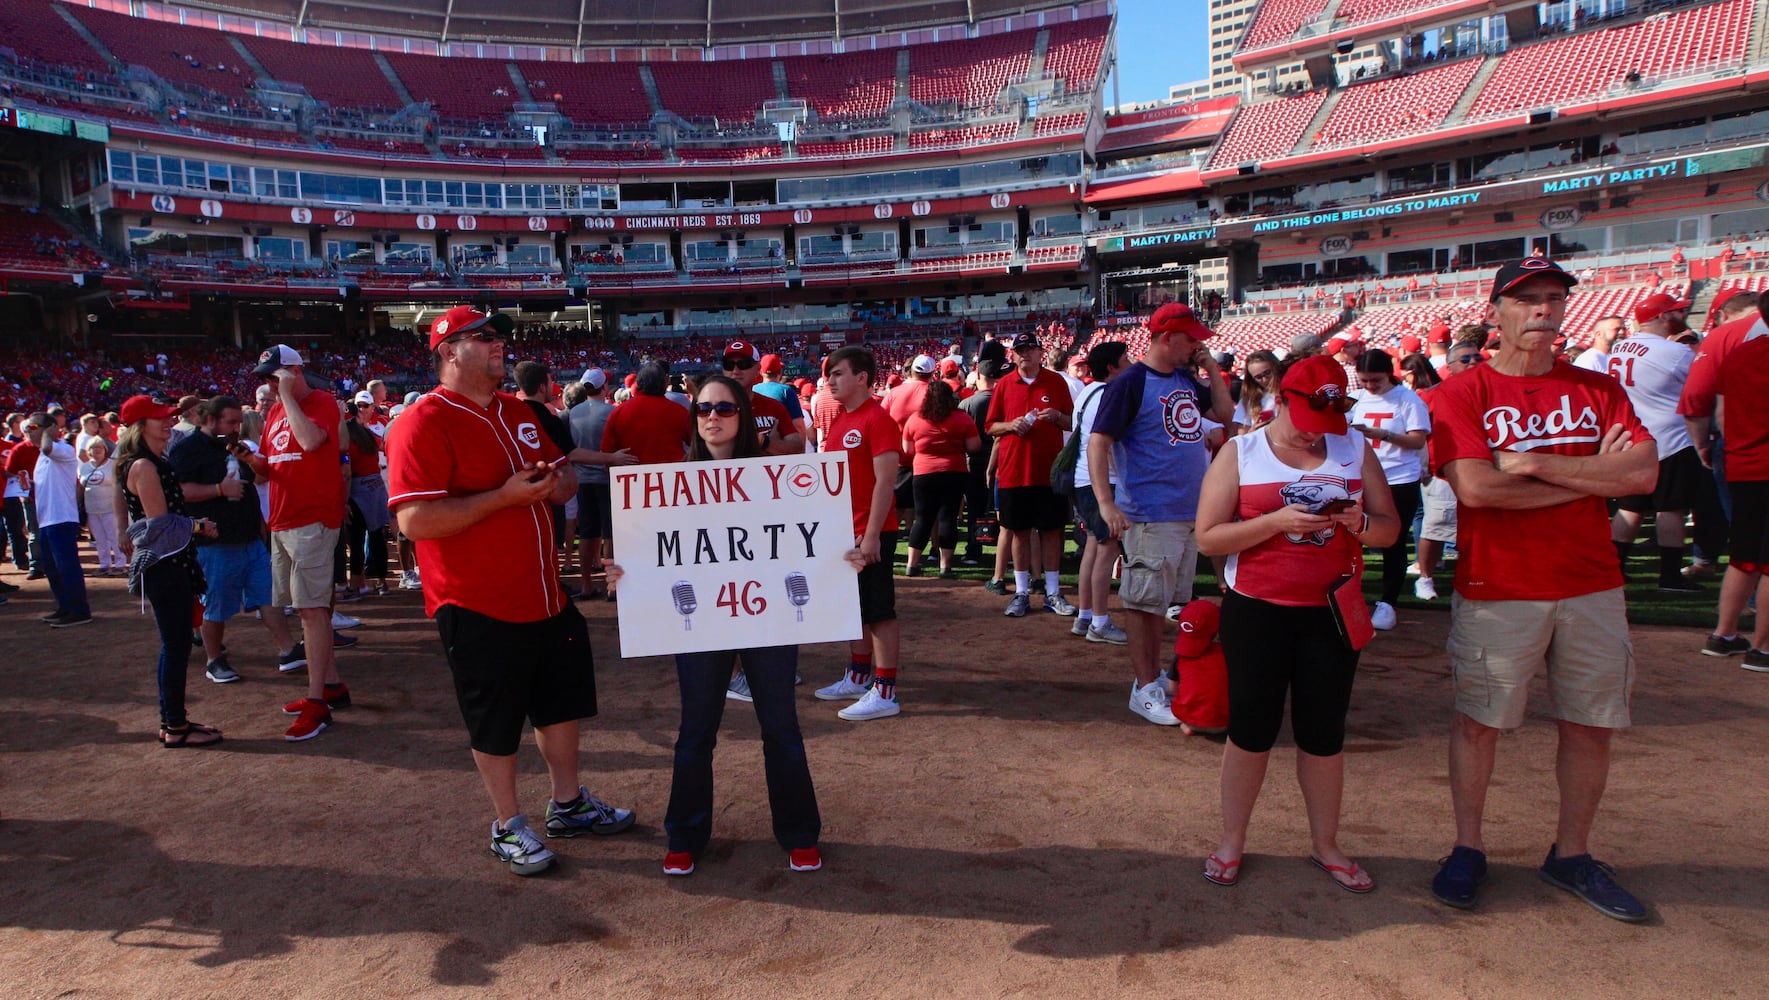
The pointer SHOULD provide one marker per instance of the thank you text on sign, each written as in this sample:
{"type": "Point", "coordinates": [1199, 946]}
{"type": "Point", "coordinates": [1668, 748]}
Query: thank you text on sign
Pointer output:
{"type": "Point", "coordinates": [735, 554]}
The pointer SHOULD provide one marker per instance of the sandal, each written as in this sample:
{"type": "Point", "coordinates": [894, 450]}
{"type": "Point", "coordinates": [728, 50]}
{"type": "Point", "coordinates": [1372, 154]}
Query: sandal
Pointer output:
{"type": "Point", "coordinates": [1353, 872]}
{"type": "Point", "coordinates": [1230, 873]}
{"type": "Point", "coordinates": [190, 734]}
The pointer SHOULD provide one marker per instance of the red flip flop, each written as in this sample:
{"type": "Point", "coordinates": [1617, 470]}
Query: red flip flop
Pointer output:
{"type": "Point", "coordinates": [1334, 871]}
{"type": "Point", "coordinates": [1231, 871]}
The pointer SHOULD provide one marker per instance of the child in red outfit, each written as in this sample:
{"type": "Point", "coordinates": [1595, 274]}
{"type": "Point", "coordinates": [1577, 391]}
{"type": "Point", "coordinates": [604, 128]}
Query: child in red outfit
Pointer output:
{"type": "Point", "coordinates": [1201, 701]}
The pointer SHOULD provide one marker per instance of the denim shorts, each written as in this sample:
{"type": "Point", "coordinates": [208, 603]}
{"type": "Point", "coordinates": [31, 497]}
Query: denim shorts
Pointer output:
{"type": "Point", "coordinates": [239, 578]}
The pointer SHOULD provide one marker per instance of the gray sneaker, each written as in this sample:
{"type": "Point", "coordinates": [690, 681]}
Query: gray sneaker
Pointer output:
{"type": "Point", "coordinates": [1018, 607]}
{"type": "Point", "coordinates": [1111, 633]}
{"type": "Point", "coordinates": [518, 845]}
{"type": "Point", "coordinates": [738, 689]}
{"type": "Point", "coordinates": [1056, 604]}
{"type": "Point", "coordinates": [1080, 626]}
{"type": "Point", "coordinates": [587, 813]}
{"type": "Point", "coordinates": [220, 671]}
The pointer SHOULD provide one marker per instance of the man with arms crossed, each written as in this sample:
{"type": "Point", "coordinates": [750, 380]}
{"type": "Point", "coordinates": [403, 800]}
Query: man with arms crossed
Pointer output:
{"type": "Point", "coordinates": [1532, 447]}
{"type": "Point", "coordinates": [1150, 429]}
{"type": "Point", "coordinates": [472, 480]}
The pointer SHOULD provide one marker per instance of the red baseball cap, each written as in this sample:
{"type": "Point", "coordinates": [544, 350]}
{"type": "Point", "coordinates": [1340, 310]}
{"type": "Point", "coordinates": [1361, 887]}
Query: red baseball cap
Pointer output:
{"type": "Point", "coordinates": [1409, 344]}
{"type": "Point", "coordinates": [1176, 317]}
{"type": "Point", "coordinates": [741, 349]}
{"type": "Point", "coordinates": [145, 408]}
{"type": "Point", "coordinates": [1335, 345]}
{"type": "Point", "coordinates": [1314, 392]}
{"type": "Point", "coordinates": [1439, 334]}
{"type": "Point", "coordinates": [465, 319]}
{"type": "Point", "coordinates": [772, 365]}
{"type": "Point", "coordinates": [1654, 306]}
{"type": "Point", "coordinates": [1198, 624]}
{"type": "Point", "coordinates": [948, 366]}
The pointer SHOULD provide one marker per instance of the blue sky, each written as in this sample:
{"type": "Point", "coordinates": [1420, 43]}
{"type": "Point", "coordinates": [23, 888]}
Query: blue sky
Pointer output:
{"type": "Point", "coordinates": [1160, 43]}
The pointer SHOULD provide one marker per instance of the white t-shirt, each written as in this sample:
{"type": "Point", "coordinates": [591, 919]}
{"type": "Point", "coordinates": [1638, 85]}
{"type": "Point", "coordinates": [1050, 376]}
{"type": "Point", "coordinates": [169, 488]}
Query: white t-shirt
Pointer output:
{"type": "Point", "coordinates": [1267, 406]}
{"type": "Point", "coordinates": [101, 484]}
{"type": "Point", "coordinates": [56, 478]}
{"type": "Point", "coordinates": [1592, 360]}
{"type": "Point", "coordinates": [1087, 399]}
{"type": "Point", "coordinates": [1652, 371]}
{"type": "Point", "coordinates": [1399, 410]}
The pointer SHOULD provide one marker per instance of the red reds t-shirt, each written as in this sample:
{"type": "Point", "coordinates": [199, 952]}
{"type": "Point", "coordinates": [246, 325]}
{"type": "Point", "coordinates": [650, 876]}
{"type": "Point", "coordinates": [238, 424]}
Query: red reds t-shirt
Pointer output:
{"type": "Point", "coordinates": [864, 433]}
{"type": "Point", "coordinates": [446, 445]}
{"type": "Point", "coordinates": [656, 429]}
{"type": "Point", "coordinates": [773, 419]}
{"type": "Point", "coordinates": [1744, 381]}
{"type": "Point", "coordinates": [939, 447]}
{"type": "Point", "coordinates": [905, 401]}
{"type": "Point", "coordinates": [306, 487]}
{"type": "Point", "coordinates": [1530, 555]}
{"type": "Point", "coordinates": [1699, 388]}
{"type": "Point", "coordinates": [1024, 460]}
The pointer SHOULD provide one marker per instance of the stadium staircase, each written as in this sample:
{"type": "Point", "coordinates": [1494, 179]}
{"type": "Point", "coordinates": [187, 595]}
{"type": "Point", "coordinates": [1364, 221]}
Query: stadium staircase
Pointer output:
{"type": "Point", "coordinates": [519, 82]}
{"type": "Point", "coordinates": [91, 39]}
{"type": "Point", "coordinates": [1318, 122]}
{"type": "Point", "coordinates": [1759, 43]}
{"type": "Point", "coordinates": [393, 80]}
{"type": "Point", "coordinates": [246, 56]}
{"type": "Point", "coordinates": [651, 92]}
{"type": "Point", "coordinates": [782, 90]}
{"type": "Point", "coordinates": [1488, 67]}
{"type": "Point", "coordinates": [1701, 301]}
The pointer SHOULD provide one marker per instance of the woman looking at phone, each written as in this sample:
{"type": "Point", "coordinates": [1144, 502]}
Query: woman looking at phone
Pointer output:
{"type": "Point", "coordinates": [1291, 505]}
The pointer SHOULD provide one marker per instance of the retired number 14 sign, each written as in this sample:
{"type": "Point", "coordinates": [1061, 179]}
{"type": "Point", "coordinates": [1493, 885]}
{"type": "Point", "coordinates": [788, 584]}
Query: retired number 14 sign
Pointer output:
{"type": "Point", "coordinates": [735, 554]}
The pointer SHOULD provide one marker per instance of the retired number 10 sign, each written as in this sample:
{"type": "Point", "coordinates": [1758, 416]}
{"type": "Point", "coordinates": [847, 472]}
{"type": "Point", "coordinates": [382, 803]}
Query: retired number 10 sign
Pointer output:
{"type": "Point", "coordinates": [733, 555]}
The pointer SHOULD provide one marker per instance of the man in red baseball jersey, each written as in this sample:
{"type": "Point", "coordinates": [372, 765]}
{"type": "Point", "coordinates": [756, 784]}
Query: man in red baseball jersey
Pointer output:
{"type": "Point", "coordinates": [471, 478]}
{"type": "Point", "coordinates": [1532, 447]}
{"type": "Point", "coordinates": [1027, 417]}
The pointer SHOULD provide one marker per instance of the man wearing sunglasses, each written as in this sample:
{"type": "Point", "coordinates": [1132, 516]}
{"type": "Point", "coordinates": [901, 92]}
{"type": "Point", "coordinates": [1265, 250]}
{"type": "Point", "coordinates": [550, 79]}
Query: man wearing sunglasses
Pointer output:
{"type": "Point", "coordinates": [471, 480]}
{"type": "Point", "coordinates": [774, 422]}
{"type": "Point", "coordinates": [1532, 448]}
{"type": "Point", "coordinates": [1150, 431]}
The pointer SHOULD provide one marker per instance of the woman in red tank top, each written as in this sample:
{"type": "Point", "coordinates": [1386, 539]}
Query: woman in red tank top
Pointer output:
{"type": "Point", "coordinates": [1290, 505]}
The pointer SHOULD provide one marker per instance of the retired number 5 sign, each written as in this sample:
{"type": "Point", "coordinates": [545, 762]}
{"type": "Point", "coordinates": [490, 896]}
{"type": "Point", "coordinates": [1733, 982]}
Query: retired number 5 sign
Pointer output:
{"type": "Point", "coordinates": [734, 555]}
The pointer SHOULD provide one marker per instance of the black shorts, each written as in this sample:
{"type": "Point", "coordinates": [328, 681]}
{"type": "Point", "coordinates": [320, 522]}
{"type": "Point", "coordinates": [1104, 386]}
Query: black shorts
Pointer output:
{"type": "Point", "coordinates": [878, 587]}
{"type": "Point", "coordinates": [1087, 512]}
{"type": "Point", "coordinates": [595, 510]}
{"type": "Point", "coordinates": [905, 489]}
{"type": "Point", "coordinates": [1749, 546]}
{"type": "Point", "coordinates": [1032, 508]}
{"type": "Point", "coordinates": [1277, 653]}
{"type": "Point", "coordinates": [505, 673]}
{"type": "Point", "coordinates": [1679, 485]}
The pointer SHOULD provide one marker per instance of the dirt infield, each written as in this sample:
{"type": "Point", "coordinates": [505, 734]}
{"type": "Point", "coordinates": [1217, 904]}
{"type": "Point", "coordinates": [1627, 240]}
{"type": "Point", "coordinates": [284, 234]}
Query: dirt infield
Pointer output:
{"type": "Point", "coordinates": [1017, 831]}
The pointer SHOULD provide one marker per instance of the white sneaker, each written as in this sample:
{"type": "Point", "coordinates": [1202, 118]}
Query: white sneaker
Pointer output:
{"type": "Point", "coordinates": [1424, 589]}
{"type": "Point", "coordinates": [842, 690]}
{"type": "Point", "coordinates": [870, 706]}
{"type": "Point", "coordinates": [1111, 633]}
{"type": "Point", "coordinates": [1414, 570]}
{"type": "Point", "coordinates": [1173, 611]}
{"type": "Point", "coordinates": [341, 621]}
{"type": "Point", "coordinates": [738, 689]}
{"type": "Point", "coordinates": [1150, 702]}
{"type": "Point", "coordinates": [1382, 617]}
{"type": "Point", "coordinates": [408, 580]}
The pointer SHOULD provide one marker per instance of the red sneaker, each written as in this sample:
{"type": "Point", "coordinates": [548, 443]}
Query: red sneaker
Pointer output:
{"type": "Point", "coordinates": [336, 697]}
{"type": "Point", "coordinates": [314, 717]}
{"type": "Point", "coordinates": [678, 863]}
{"type": "Point", "coordinates": [804, 859]}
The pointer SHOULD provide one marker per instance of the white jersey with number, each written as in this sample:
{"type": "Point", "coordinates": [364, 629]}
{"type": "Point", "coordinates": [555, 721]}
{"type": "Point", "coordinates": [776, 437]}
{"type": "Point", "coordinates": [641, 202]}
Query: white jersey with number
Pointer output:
{"type": "Point", "coordinates": [1652, 371]}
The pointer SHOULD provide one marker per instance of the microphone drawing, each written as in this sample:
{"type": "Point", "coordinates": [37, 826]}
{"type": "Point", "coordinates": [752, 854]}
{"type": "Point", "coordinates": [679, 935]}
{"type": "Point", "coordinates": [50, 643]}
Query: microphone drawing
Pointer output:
{"type": "Point", "coordinates": [798, 591]}
{"type": "Point", "coordinates": [683, 594]}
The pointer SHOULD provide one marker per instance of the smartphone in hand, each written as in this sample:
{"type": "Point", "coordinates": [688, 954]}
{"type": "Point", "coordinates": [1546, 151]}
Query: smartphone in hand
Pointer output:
{"type": "Point", "coordinates": [1336, 506]}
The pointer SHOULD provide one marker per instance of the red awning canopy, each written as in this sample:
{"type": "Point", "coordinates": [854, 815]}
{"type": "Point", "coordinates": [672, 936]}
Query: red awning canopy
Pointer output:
{"type": "Point", "coordinates": [1186, 179]}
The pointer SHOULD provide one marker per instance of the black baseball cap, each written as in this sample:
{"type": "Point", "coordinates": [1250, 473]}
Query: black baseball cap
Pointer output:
{"type": "Point", "coordinates": [1519, 271]}
{"type": "Point", "coordinates": [1027, 342]}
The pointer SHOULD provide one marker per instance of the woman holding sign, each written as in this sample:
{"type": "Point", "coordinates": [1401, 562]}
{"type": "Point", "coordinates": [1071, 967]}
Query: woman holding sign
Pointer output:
{"type": "Point", "coordinates": [724, 429]}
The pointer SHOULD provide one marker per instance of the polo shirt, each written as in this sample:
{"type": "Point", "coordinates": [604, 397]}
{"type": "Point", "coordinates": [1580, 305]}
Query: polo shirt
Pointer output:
{"type": "Point", "coordinates": [446, 445]}
{"type": "Point", "coordinates": [1024, 460]}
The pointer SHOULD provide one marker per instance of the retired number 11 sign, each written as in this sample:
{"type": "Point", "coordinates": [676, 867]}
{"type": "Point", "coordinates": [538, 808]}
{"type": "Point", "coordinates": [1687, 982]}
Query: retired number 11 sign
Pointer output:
{"type": "Point", "coordinates": [735, 554]}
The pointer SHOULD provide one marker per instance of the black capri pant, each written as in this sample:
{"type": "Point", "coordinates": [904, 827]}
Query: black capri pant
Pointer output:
{"type": "Point", "coordinates": [937, 498]}
{"type": "Point", "coordinates": [1273, 651]}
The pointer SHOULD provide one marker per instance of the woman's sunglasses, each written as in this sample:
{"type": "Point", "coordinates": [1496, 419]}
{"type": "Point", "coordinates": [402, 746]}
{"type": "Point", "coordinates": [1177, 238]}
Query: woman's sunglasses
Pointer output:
{"type": "Point", "coordinates": [722, 408]}
{"type": "Point", "coordinates": [1260, 376]}
{"type": "Point", "coordinates": [1331, 399]}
